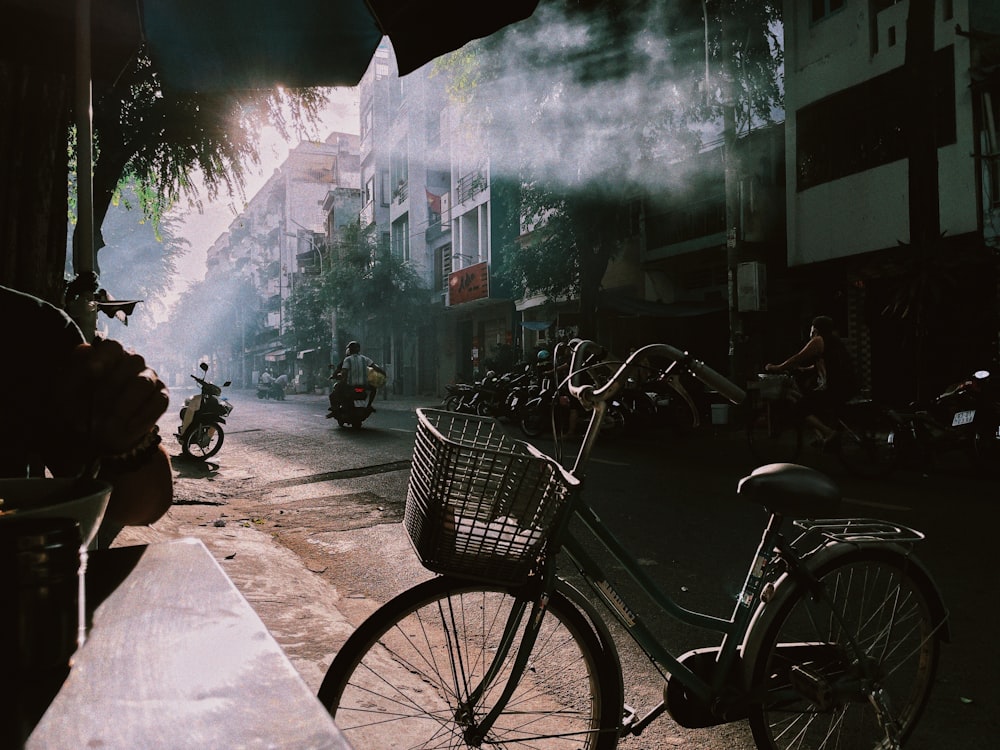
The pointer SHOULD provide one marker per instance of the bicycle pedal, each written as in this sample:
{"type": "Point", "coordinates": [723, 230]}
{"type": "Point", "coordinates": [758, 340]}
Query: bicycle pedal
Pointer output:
{"type": "Point", "coordinates": [629, 717]}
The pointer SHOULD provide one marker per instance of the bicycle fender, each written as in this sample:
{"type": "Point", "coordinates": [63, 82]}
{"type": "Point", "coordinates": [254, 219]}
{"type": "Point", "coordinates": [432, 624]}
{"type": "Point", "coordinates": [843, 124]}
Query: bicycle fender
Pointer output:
{"type": "Point", "coordinates": [788, 586]}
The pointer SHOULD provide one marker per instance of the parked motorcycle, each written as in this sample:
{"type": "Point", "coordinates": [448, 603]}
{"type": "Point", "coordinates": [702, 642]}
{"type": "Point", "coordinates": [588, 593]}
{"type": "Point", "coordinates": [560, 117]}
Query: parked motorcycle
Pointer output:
{"type": "Point", "coordinates": [202, 416]}
{"type": "Point", "coordinates": [965, 418]}
{"type": "Point", "coordinates": [495, 395]}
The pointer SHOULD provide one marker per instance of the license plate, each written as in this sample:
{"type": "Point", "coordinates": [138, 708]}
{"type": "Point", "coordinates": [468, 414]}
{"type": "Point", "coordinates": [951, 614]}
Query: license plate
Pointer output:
{"type": "Point", "coordinates": [963, 417]}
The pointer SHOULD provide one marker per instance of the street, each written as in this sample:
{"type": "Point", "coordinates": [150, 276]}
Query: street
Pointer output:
{"type": "Point", "coordinates": [305, 518]}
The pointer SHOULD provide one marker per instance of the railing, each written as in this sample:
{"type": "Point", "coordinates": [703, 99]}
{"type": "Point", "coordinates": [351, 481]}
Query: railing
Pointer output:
{"type": "Point", "coordinates": [470, 186]}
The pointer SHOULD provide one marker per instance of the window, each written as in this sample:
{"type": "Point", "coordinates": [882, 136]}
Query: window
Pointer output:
{"type": "Point", "coordinates": [442, 267]}
{"type": "Point", "coordinates": [401, 238]}
{"type": "Point", "coordinates": [400, 175]}
{"type": "Point", "coordinates": [823, 8]}
{"type": "Point", "coordinates": [369, 195]}
{"type": "Point", "coordinates": [386, 193]}
{"type": "Point", "coordinates": [367, 120]}
{"type": "Point", "coordinates": [863, 127]}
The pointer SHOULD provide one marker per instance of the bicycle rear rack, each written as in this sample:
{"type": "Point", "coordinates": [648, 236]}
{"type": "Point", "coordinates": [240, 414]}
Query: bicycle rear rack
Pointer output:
{"type": "Point", "coordinates": [859, 530]}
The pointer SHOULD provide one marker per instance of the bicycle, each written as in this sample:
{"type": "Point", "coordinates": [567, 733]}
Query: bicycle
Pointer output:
{"type": "Point", "coordinates": [776, 427]}
{"type": "Point", "coordinates": [833, 641]}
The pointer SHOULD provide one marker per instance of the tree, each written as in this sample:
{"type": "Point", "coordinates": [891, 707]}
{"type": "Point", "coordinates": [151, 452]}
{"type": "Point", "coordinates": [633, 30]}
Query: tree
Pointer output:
{"type": "Point", "coordinates": [309, 314]}
{"type": "Point", "coordinates": [613, 95]}
{"type": "Point", "coordinates": [157, 139]}
{"type": "Point", "coordinates": [372, 290]}
{"type": "Point", "coordinates": [140, 257]}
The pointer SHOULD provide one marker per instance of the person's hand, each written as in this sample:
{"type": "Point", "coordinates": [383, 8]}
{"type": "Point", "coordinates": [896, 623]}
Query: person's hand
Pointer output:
{"type": "Point", "coordinates": [114, 398]}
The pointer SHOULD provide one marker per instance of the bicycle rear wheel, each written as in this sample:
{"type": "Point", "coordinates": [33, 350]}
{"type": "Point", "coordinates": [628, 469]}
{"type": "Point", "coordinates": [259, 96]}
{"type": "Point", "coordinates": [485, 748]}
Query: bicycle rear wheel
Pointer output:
{"type": "Point", "coordinates": [774, 433]}
{"type": "Point", "coordinates": [814, 694]}
{"type": "Point", "coordinates": [406, 674]}
{"type": "Point", "coordinates": [868, 443]}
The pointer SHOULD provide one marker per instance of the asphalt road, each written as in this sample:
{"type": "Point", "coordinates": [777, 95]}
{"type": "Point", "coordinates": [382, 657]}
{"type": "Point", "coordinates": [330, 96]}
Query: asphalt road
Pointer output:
{"type": "Point", "coordinates": [305, 518]}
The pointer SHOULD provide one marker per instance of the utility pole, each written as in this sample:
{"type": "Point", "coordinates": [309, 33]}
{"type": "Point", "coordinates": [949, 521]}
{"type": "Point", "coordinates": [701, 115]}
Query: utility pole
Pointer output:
{"type": "Point", "coordinates": [734, 228]}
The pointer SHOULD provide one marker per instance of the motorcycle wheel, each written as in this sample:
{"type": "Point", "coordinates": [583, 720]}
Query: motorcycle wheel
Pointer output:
{"type": "Point", "coordinates": [203, 441]}
{"type": "Point", "coordinates": [533, 421]}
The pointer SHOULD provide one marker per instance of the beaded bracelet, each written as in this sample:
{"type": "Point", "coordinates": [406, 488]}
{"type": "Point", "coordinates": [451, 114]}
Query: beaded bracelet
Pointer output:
{"type": "Point", "coordinates": [136, 457]}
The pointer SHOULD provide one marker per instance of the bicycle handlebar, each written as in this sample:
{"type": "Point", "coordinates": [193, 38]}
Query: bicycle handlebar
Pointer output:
{"type": "Point", "coordinates": [589, 394]}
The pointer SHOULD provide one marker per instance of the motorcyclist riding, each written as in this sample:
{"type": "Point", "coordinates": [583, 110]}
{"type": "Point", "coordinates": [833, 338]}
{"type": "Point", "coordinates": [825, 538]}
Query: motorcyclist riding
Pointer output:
{"type": "Point", "coordinates": [352, 371]}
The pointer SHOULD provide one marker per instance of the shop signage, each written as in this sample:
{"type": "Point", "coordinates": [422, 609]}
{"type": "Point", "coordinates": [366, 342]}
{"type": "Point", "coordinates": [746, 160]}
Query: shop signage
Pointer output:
{"type": "Point", "coordinates": [469, 283]}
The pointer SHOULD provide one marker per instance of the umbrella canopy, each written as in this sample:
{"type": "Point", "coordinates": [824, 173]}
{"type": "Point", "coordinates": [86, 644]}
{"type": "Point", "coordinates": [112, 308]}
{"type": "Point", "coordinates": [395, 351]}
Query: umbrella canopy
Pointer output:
{"type": "Point", "coordinates": [240, 44]}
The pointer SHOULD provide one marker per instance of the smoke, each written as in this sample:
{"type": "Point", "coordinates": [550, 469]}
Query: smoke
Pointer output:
{"type": "Point", "coordinates": [585, 103]}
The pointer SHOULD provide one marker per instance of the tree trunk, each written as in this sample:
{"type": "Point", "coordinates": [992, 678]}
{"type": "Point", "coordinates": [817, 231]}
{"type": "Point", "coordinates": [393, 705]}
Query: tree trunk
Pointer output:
{"type": "Point", "coordinates": [33, 178]}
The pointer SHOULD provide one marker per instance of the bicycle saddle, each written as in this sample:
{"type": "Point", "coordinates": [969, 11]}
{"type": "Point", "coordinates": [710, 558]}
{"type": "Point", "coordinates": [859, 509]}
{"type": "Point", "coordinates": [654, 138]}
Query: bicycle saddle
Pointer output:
{"type": "Point", "coordinates": [791, 490]}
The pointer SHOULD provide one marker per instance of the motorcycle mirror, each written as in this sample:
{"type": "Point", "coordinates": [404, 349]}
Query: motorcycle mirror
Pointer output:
{"type": "Point", "coordinates": [981, 374]}
{"type": "Point", "coordinates": [203, 366]}
{"type": "Point", "coordinates": [227, 384]}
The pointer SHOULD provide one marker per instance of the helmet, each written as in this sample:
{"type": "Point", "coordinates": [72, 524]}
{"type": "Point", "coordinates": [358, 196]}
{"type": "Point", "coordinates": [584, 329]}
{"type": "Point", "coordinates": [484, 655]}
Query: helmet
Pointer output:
{"type": "Point", "coordinates": [543, 354]}
{"type": "Point", "coordinates": [354, 346]}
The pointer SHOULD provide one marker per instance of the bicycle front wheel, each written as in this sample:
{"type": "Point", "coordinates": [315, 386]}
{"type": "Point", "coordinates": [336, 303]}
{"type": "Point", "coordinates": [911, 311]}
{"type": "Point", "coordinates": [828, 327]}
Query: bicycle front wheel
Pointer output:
{"type": "Point", "coordinates": [852, 668]}
{"type": "Point", "coordinates": [404, 678]}
{"type": "Point", "coordinates": [774, 433]}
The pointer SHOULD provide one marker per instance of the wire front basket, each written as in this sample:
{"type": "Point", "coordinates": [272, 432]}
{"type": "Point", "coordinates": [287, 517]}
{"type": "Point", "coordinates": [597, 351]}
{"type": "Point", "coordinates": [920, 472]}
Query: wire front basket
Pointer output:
{"type": "Point", "coordinates": [480, 504]}
{"type": "Point", "coordinates": [778, 387]}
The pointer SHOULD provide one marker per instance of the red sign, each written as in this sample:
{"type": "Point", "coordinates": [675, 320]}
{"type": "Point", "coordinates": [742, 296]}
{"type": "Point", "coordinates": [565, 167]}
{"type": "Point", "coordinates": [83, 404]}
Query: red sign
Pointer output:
{"type": "Point", "coordinates": [469, 283]}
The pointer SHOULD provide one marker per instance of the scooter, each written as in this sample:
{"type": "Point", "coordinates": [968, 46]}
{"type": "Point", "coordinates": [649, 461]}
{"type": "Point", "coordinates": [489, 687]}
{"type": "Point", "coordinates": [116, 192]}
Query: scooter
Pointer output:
{"type": "Point", "coordinates": [274, 390]}
{"type": "Point", "coordinates": [202, 417]}
{"type": "Point", "coordinates": [966, 418]}
{"type": "Point", "coordinates": [354, 405]}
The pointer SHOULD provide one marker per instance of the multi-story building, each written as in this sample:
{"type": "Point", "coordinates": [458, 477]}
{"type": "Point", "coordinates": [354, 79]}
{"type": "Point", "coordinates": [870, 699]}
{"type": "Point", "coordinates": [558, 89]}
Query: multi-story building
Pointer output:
{"type": "Point", "coordinates": [861, 97]}
{"type": "Point", "coordinates": [823, 222]}
{"type": "Point", "coordinates": [283, 234]}
{"type": "Point", "coordinates": [428, 192]}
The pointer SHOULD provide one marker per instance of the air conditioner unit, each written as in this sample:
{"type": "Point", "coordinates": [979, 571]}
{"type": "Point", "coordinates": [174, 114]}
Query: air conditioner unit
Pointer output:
{"type": "Point", "coordinates": [751, 287]}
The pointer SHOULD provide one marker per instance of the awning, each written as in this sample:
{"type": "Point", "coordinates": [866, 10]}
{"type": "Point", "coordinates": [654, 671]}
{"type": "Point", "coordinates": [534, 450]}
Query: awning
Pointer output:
{"type": "Point", "coordinates": [535, 325]}
{"type": "Point", "coordinates": [625, 304]}
{"type": "Point", "coordinates": [276, 355]}
{"type": "Point", "coordinates": [304, 352]}
{"type": "Point", "coordinates": [223, 45]}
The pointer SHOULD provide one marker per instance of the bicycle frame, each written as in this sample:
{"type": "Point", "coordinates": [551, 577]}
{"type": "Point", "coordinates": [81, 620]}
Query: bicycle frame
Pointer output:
{"type": "Point", "coordinates": [724, 692]}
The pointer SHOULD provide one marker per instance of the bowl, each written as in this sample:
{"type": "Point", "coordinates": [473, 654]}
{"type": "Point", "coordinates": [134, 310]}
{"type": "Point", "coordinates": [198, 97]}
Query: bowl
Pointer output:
{"type": "Point", "coordinates": [84, 500]}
